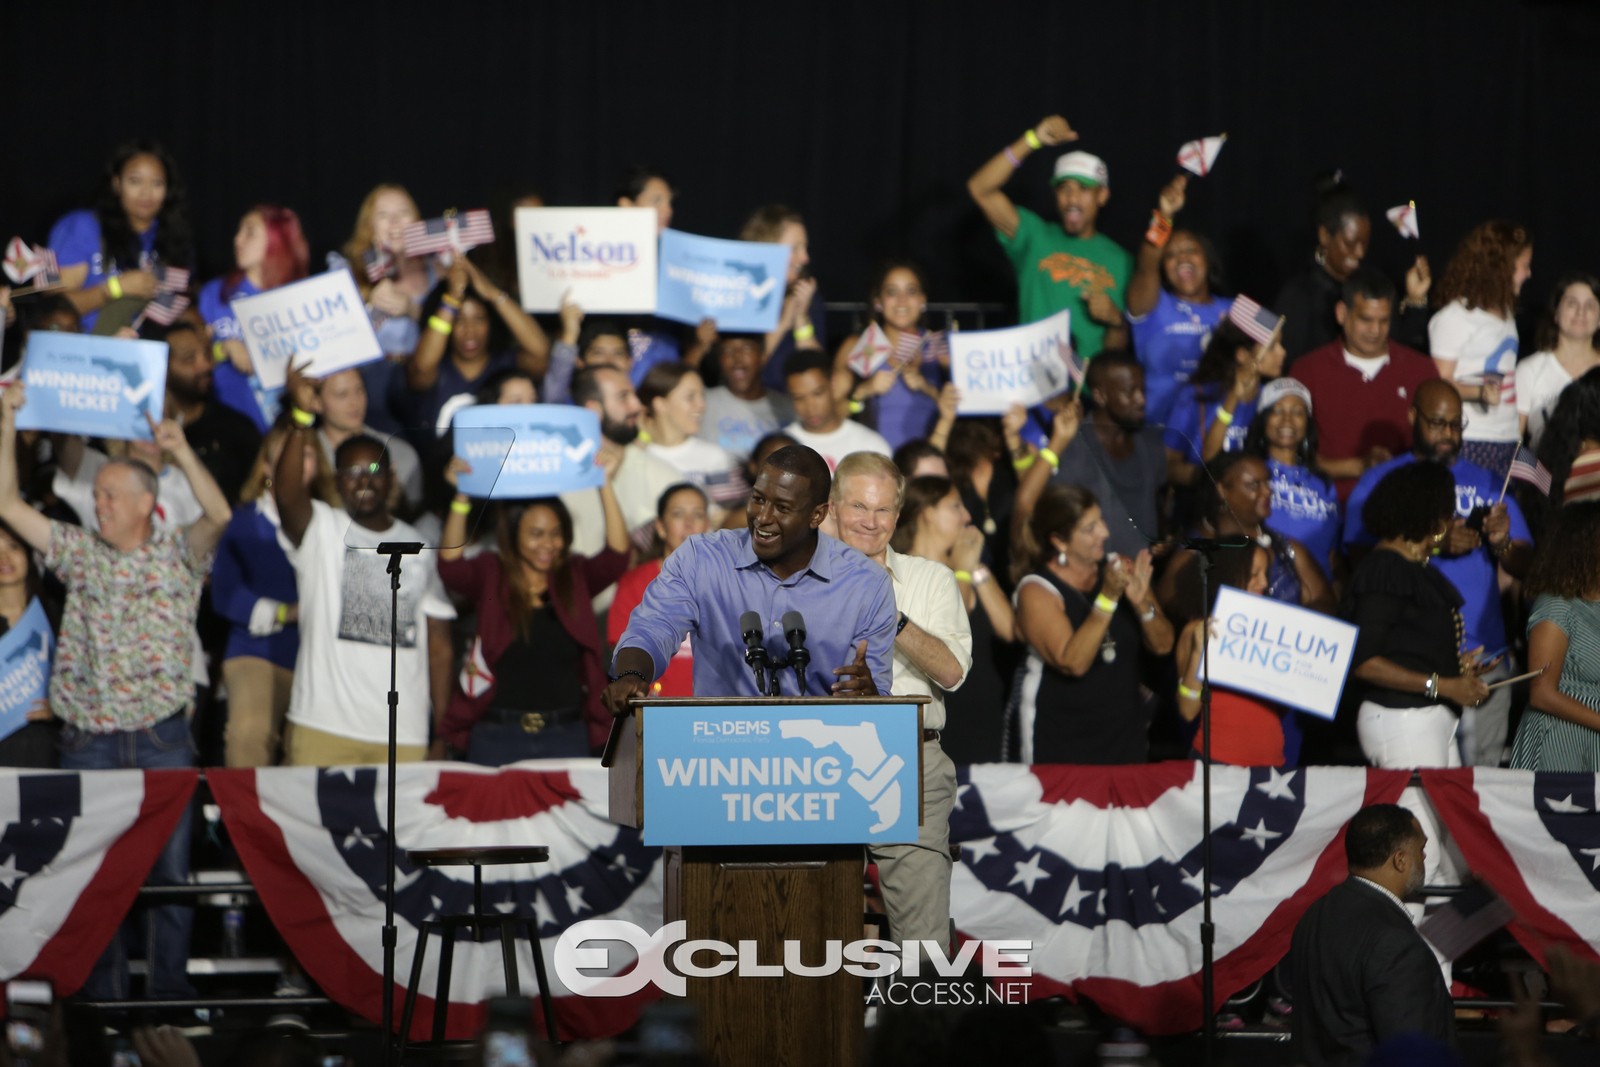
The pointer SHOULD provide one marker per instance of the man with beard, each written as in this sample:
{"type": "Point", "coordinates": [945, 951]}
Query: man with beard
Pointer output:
{"type": "Point", "coordinates": [1117, 457]}
{"type": "Point", "coordinates": [336, 709]}
{"type": "Point", "coordinates": [225, 440]}
{"type": "Point", "coordinates": [1362, 973]}
{"type": "Point", "coordinates": [1489, 533]}
{"type": "Point", "coordinates": [641, 479]}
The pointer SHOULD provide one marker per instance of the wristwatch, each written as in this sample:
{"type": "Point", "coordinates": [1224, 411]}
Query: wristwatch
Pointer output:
{"type": "Point", "coordinates": [904, 618]}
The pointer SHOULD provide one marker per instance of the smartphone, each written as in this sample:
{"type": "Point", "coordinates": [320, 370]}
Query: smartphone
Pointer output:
{"type": "Point", "coordinates": [1490, 657]}
{"type": "Point", "coordinates": [1474, 520]}
{"type": "Point", "coordinates": [28, 1003]}
{"type": "Point", "coordinates": [505, 1039]}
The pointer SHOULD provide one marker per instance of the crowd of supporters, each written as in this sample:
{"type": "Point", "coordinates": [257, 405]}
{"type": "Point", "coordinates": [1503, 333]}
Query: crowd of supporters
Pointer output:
{"type": "Point", "coordinates": [207, 604]}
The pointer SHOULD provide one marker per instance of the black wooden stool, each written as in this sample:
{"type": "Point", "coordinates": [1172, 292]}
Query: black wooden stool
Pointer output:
{"type": "Point", "coordinates": [447, 925]}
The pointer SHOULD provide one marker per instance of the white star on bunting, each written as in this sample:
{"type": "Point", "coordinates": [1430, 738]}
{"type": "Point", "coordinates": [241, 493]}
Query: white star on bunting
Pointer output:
{"type": "Point", "coordinates": [575, 901]}
{"type": "Point", "coordinates": [9, 873]}
{"type": "Point", "coordinates": [961, 791]}
{"type": "Point", "coordinates": [1260, 835]}
{"type": "Point", "coordinates": [1028, 873]}
{"type": "Point", "coordinates": [1074, 898]}
{"type": "Point", "coordinates": [357, 837]}
{"type": "Point", "coordinates": [1277, 787]}
{"type": "Point", "coordinates": [1565, 806]}
{"type": "Point", "coordinates": [981, 848]}
{"type": "Point", "coordinates": [1595, 852]}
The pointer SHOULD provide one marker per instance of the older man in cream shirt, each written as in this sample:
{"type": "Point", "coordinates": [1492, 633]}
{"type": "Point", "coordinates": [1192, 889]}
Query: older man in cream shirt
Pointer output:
{"type": "Point", "coordinates": [932, 654]}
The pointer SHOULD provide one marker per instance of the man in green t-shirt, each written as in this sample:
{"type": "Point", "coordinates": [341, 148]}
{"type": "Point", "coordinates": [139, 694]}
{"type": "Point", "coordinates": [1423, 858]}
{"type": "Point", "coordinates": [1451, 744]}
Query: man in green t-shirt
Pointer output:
{"type": "Point", "coordinates": [1072, 265]}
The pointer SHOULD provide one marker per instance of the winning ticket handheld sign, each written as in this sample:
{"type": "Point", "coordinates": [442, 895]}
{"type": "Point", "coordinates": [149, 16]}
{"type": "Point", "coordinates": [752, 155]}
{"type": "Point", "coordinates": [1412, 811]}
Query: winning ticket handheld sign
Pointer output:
{"type": "Point", "coordinates": [319, 322]}
{"type": "Point", "coordinates": [740, 284]}
{"type": "Point", "coordinates": [1281, 652]}
{"type": "Point", "coordinates": [96, 386]}
{"type": "Point", "coordinates": [25, 653]}
{"type": "Point", "coordinates": [518, 451]}
{"type": "Point", "coordinates": [1026, 365]}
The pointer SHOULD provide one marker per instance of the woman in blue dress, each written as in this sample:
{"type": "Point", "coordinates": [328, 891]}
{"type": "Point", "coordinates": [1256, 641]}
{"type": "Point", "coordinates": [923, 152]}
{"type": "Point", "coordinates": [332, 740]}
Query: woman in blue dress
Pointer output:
{"type": "Point", "coordinates": [140, 219]}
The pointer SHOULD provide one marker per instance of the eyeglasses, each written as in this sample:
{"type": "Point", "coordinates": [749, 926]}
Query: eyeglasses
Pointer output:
{"type": "Point", "coordinates": [354, 472]}
{"type": "Point", "coordinates": [1440, 425]}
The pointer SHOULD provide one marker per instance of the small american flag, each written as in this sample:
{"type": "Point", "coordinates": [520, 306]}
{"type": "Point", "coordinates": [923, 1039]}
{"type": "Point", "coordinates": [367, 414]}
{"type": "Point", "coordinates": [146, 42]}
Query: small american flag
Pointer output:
{"type": "Point", "coordinates": [453, 233]}
{"type": "Point", "coordinates": [171, 279]}
{"type": "Point", "coordinates": [47, 275]}
{"type": "Point", "coordinates": [166, 307]}
{"type": "Point", "coordinates": [1475, 913]}
{"type": "Point", "coordinates": [1526, 467]}
{"type": "Point", "coordinates": [378, 263]}
{"type": "Point", "coordinates": [1256, 321]}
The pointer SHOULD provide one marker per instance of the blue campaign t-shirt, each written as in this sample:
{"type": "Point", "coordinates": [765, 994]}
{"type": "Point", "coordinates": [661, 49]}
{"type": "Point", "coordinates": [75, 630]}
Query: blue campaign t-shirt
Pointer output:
{"type": "Point", "coordinates": [1185, 434]}
{"type": "Point", "coordinates": [1168, 342]}
{"type": "Point", "coordinates": [75, 238]}
{"type": "Point", "coordinates": [241, 392]}
{"type": "Point", "coordinates": [1475, 574]}
{"type": "Point", "coordinates": [1305, 508]}
{"type": "Point", "coordinates": [650, 347]}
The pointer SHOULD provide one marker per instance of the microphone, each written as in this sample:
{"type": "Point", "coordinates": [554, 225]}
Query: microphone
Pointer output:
{"type": "Point", "coordinates": [794, 631]}
{"type": "Point", "coordinates": [755, 655]}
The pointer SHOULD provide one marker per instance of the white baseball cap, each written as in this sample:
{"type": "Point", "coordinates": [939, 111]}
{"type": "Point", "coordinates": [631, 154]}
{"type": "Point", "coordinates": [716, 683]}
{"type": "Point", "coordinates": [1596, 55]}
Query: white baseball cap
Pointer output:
{"type": "Point", "coordinates": [1279, 388]}
{"type": "Point", "coordinates": [1085, 168]}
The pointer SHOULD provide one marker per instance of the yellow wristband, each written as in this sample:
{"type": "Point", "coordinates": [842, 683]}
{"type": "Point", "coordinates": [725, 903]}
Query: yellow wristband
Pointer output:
{"type": "Point", "coordinates": [114, 287]}
{"type": "Point", "coordinates": [283, 614]}
{"type": "Point", "coordinates": [1033, 140]}
{"type": "Point", "coordinates": [805, 333]}
{"type": "Point", "coordinates": [1105, 604]}
{"type": "Point", "coordinates": [1051, 458]}
{"type": "Point", "coordinates": [1185, 691]}
{"type": "Point", "coordinates": [217, 352]}
{"type": "Point", "coordinates": [460, 507]}
{"type": "Point", "coordinates": [1020, 465]}
{"type": "Point", "coordinates": [440, 326]}
{"type": "Point", "coordinates": [1224, 416]}
{"type": "Point", "coordinates": [963, 576]}
{"type": "Point", "coordinates": [301, 418]}
{"type": "Point", "coordinates": [451, 302]}
{"type": "Point", "coordinates": [856, 406]}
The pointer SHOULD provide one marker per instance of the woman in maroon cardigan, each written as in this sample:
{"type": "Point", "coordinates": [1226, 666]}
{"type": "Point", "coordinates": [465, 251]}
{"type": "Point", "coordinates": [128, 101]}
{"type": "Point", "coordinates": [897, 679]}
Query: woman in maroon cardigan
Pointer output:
{"type": "Point", "coordinates": [535, 671]}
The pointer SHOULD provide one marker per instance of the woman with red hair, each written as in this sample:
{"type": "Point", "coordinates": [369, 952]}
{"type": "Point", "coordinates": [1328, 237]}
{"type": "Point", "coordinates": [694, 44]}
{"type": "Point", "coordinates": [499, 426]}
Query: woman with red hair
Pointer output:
{"type": "Point", "coordinates": [268, 251]}
{"type": "Point", "coordinates": [1473, 338]}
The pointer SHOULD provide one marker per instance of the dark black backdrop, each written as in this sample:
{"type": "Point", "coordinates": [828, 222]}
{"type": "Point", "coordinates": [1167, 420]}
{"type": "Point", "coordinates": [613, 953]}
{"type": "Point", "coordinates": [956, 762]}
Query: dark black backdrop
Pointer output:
{"type": "Point", "coordinates": [866, 116]}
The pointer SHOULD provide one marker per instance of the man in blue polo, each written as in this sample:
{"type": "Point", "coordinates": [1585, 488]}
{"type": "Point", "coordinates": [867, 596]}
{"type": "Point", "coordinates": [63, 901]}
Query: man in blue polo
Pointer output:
{"type": "Point", "coordinates": [1469, 556]}
{"type": "Point", "coordinates": [780, 562]}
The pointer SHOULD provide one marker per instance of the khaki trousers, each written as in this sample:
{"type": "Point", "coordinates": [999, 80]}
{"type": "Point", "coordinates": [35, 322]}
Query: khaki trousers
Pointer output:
{"type": "Point", "coordinates": [258, 699]}
{"type": "Point", "coordinates": [915, 879]}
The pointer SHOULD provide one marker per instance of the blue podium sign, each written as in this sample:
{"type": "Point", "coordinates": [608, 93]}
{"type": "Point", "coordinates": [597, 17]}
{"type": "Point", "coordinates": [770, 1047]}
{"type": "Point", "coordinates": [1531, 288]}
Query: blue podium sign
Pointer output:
{"type": "Point", "coordinates": [800, 774]}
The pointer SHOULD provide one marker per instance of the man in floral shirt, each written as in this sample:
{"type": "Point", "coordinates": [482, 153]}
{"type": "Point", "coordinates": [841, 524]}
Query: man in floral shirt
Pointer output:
{"type": "Point", "coordinates": [122, 679]}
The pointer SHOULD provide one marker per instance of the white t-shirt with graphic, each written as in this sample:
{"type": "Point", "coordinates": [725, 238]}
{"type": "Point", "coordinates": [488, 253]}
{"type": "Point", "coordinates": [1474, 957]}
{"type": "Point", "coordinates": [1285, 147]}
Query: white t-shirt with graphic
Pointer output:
{"type": "Point", "coordinates": [1540, 380]}
{"type": "Point", "coordinates": [1480, 343]}
{"type": "Point", "coordinates": [849, 437]}
{"type": "Point", "coordinates": [738, 424]}
{"type": "Point", "coordinates": [711, 467]}
{"type": "Point", "coordinates": [341, 678]}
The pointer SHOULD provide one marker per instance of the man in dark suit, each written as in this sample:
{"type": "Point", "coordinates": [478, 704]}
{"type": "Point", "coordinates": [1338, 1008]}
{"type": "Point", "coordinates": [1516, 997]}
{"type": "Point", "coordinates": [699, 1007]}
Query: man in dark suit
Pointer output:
{"type": "Point", "coordinates": [1362, 973]}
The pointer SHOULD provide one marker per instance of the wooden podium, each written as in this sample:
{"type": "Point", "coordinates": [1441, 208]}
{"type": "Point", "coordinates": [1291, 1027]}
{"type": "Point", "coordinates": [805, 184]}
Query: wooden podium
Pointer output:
{"type": "Point", "coordinates": [763, 893]}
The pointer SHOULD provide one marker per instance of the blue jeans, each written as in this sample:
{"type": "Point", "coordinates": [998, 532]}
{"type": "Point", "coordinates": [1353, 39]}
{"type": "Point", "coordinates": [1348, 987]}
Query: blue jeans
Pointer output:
{"type": "Point", "coordinates": [164, 929]}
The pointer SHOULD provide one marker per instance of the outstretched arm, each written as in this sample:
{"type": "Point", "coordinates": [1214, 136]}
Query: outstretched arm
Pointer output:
{"type": "Point", "coordinates": [33, 527]}
{"type": "Point", "coordinates": [289, 488]}
{"type": "Point", "coordinates": [1145, 288]}
{"type": "Point", "coordinates": [985, 185]}
{"type": "Point", "coordinates": [207, 530]}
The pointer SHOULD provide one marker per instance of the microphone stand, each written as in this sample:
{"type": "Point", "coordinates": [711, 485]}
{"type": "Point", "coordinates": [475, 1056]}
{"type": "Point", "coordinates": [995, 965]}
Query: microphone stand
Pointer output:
{"type": "Point", "coordinates": [394, 550]}
{"type": "Point", "coordinates": [1204, 548]}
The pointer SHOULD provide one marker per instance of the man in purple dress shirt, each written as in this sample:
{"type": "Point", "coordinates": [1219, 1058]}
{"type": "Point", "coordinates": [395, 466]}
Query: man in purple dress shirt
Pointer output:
{"type": "Point", "coordinates": [779, 563]}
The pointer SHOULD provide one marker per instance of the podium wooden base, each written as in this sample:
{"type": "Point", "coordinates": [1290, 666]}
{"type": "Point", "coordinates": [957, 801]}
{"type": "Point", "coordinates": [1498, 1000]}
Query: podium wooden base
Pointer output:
{"type": "Point", "coordinates": [768, 895]}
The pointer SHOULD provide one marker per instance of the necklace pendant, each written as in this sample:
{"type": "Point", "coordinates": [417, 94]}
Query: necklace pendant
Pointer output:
{"type": "Point", "coordinates": [1108, 652]}
{"type": "Point", "coordinates": [989, 527]}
